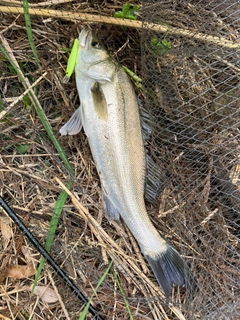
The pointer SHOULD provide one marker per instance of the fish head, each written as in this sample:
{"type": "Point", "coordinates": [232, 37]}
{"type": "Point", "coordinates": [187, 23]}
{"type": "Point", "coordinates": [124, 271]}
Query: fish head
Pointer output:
{"type": "Point", "coordinates": [93, 59]}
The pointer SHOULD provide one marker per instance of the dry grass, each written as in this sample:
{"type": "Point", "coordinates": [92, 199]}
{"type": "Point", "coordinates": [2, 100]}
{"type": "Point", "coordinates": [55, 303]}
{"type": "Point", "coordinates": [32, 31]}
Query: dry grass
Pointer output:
{"type": "Point", "coordinates": [194, 96]}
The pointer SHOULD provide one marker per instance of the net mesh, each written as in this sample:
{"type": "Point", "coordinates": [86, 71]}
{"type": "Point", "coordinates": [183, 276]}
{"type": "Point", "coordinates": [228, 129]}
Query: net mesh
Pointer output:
{"type": "Point", "coordinates": [191, 91]}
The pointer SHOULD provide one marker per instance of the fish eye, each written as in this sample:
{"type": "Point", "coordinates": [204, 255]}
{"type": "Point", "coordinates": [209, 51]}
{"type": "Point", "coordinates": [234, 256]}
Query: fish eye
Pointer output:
{"type": "Point", "coordinates": [95, 44]}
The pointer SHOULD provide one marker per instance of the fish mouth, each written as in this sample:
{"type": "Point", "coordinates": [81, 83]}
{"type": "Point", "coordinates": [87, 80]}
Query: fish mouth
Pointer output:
{"type": "Point", "coordinates": [83, 37]}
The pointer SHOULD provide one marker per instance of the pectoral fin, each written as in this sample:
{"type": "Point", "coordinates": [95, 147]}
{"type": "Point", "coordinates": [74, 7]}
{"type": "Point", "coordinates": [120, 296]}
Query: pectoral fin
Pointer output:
{"type": "Point", "coordinates": [99, 101]}
{"type": "Point", "coordinates": [111, 212]}
{"type": "Point", "coordinates": [74, 124]}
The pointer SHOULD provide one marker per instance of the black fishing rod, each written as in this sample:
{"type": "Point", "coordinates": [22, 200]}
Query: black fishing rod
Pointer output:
{"type": "Point", "coordinates": [48, 258]}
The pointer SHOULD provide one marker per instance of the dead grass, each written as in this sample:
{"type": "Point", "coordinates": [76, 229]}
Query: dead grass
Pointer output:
{"type": "Point", "coordinates": [194, 96]}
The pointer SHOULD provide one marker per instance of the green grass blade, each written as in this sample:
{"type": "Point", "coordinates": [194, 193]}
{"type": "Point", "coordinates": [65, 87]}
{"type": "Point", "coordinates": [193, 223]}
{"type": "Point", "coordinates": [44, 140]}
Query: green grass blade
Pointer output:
{"type": "Point", "coordinates": [123, 295]}
{"type": "Point", "coordinates": [56, 216]}
{"type": "Point", "coordinates": [29, 30]}
{"type": "Point", "coordinates": [52, 230]}
{"type": "Point", "coordinates": [85, 310]}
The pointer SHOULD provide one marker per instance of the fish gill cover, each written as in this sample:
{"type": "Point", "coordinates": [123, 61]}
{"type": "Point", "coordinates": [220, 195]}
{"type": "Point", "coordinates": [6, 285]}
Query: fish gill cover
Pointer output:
{"type": "Point", "coordinates": [187, 56]}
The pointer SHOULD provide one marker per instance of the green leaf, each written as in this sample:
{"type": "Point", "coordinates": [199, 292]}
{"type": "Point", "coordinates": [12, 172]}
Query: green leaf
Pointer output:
{"type": "Point", "coordinates": [128, 12]}
{"type": "Point", "coordinates": [26, 101]}
{"type": "Point", "coordinates": [135, 78]}
{"type": "Point", "coordinates": [126, 8]}
{"type": "Point", "coordinates": [47, 163]}
{"type": "Point", "coordinates": [22, 148]}
{"type": "Point", "coordinates": [135, 8]}
{"type": "Point", "coordinates": [166, 44]}
{"type": "Point", "coordinates": [160, 47]}
{"type": "Point", "coordinates": [130, 16]}
{"type": "Point", "coordinates": [118, 14]}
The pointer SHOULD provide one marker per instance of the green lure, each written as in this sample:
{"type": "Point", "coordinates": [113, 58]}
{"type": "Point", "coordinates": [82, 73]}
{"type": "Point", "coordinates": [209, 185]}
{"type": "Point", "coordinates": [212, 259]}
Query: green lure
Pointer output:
{"type": "Point", "coordinates": [71, 61]}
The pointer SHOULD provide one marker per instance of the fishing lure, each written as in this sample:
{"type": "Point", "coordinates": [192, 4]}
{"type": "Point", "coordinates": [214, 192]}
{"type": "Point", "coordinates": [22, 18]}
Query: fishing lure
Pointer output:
{"type": "Point", "coordinates": [71, 61]}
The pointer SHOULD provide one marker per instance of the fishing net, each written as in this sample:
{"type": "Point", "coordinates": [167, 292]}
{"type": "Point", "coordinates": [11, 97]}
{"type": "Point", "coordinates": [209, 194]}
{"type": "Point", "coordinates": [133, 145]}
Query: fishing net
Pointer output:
{"type": "Point", "coordinates": [187, 54]}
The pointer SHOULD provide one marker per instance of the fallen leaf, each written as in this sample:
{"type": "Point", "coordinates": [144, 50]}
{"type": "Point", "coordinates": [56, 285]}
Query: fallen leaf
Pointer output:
{"type": "Point", "coordinates": [6, 230]}
{"type": "Point", "coordinates": [3, 269]}
{"type": "Point", "coordinates": [19, 271]}
{"type": "Point", "coordinates": [46, 294]}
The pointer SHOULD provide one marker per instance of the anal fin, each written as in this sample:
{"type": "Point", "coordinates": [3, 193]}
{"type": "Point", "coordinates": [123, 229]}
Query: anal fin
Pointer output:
{"type": "Point", "coordinates": [110, 210]}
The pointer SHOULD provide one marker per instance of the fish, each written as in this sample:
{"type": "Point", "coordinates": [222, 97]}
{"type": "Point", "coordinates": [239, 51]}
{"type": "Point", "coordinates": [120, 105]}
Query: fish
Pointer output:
{"type": "Point", "coordinates": [109, 115]}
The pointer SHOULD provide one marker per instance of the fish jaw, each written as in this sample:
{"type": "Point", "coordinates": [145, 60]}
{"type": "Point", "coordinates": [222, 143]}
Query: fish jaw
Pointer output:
{"type": "Point", "coordinates": [83, 38]}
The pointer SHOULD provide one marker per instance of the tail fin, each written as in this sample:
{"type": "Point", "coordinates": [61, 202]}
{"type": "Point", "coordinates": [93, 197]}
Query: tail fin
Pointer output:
{"type": "Point", "coordinates": [169, 268]}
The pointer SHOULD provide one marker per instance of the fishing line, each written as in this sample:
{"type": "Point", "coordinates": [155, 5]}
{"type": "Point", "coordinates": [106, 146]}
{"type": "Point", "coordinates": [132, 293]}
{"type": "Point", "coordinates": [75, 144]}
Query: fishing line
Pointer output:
{"type": "Point", "coordinates": [48, 258]}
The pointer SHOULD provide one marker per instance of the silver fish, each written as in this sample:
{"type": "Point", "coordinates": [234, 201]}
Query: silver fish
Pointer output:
{"type": "Point", "coordinates": [109, 114]}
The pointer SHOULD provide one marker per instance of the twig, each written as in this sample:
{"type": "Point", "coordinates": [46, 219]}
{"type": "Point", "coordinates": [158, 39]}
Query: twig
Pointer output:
{"type": "Point", "coordinates": [40, 4]}
{"type": "Point", "coordinates": [235, 68]}
{"type": "Point", "coordinates": [58, 296]}
{"type": "Point", "coordinates": [72, 16]}
{"type": "Point", "coordinates": [209, 216]}
{"type": "Point", "coordinates": [8, 27]}
{"type": "Point", "coordinates": [6, 110]}
{"type": "Point", "coordinates": [165, 213]}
